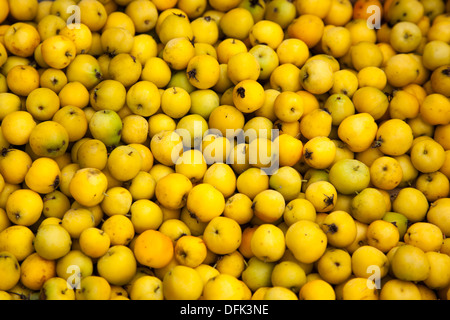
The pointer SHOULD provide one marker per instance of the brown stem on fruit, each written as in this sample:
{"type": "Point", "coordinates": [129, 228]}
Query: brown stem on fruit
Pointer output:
{"type": "Point", "coordinates": [389, 96]}
{"type": "Point", "coordinates": [4, 152]}
{"type": "Point", "coordinates": [305, 76]}
{"type": "Point", "coordinates": [110, 148]}
{"type": "Point", "coordinates": [254, 3]}
{"type": "Point", "coordinates": [377, 143]}
{"type": "Point", "coordinates": [111, 54]}
{"type": "Point", "coordinates": [182, 254]}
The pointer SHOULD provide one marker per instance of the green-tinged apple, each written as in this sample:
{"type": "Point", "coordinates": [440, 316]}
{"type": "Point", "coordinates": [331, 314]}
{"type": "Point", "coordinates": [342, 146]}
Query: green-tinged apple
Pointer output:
{"type": "Point", "coordinates": [147, 287]}
{"type": "Point", "coordinates": [258, 273]}
{"type": "Point", "coordinates": [56, 288]}
{"type": "Point", "coordinates": [287, 181]}
{"type": "Point", "coordinates": [405, 36]}
{"type": "Point", "coordinates": [180, 79]}
{"type": "Point", "coordinates": [191, 128]}
{"type": "Point", "coordinates": [313, 175]}
{"type": "Point", "coordinates": [143, 98]}
{"type": "Point", "coordinates": [267, 59]}
{"type": "Point", "coordinates": [52, 241]}
{"type": "Point", "coordinates": [399, 220]}
{"type": "Point", "coordinates": [108, 94]}
{"type": "Point", "coordinates": [349, 176]}
{"type": "Point", "coordinates": [106, 126]}
{"type": "Point", "coordinates": [9, 270]}
{"type": "Point", "coordinates": [74, 266]}
{"type": "Point", "coordinates": [93, 288]}
{"type": "Point", "coordinates": [409, 263]}
{"type": "Point", "coordinates": [316, 76]}
{"type": "Point", "coordinates": [49, 139]}
{"type": "Point", "coordinates": [368, 205]}
{"type": "Point", "coordinates": [256, 7]}
{"type": "Point", "coordinates": [282, 12]}
{"type": "Point", "coordinates": [340, 106]}
{"type": "Point", "coordinates": [85, 69]}
{"type": "Point", "coordinates": [203, 102]}
{"type": "Point", "coordinates": [118, 265]}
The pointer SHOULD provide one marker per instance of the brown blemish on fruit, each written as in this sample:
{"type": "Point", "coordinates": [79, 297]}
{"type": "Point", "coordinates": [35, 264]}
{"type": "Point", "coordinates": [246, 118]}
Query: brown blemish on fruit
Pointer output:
{"type": "Point", "coordinates": [308, 154]}
{"type": "Point", "coordinates": [56, 182]}
{"type": "Point", "coordinates": [241, 92]}
{"type": "Point", "coordinates": [192, 74]}
{"type": "Point", "coordinates": [179, 15]}
{"type": "Point", "coordinates": [328, 200]}
{"type": "Point", "coordinates": [332, 228]}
